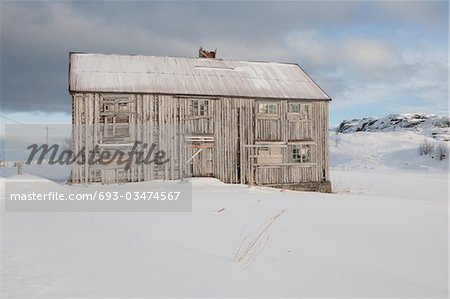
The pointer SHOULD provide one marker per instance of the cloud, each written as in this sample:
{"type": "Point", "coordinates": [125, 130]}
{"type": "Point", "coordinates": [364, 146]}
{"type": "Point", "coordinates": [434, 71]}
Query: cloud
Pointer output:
{"type": "Point", "coordinates": [368, 54]}
{"type": "Point", "coordinates": [433, 14]}
{"type": "Point", "coordinates": [36, 43]}
{"type": "Point", "coordinates": [361, 52]}
{"type": "Point", "coordinates": [359, 71]}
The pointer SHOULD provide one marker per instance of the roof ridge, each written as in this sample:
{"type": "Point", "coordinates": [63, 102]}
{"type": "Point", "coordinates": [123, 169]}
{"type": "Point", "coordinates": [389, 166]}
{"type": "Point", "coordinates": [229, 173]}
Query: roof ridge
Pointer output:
{"type": "Point", "coordinates": [184, 57]}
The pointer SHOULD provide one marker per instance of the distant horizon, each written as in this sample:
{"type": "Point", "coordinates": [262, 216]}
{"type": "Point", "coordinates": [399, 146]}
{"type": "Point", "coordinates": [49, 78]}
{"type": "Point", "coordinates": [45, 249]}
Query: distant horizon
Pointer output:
{"type": "Point", "coordinates": [66, 118]}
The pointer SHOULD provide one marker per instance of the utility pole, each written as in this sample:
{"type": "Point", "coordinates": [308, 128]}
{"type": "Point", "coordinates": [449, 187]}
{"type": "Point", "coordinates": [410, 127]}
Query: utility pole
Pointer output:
{"type": "Point", "coordinates": [46, 139]}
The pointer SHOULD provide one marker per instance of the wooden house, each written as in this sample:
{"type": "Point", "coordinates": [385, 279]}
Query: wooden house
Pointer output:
{"type": "Point", "coordinates": [242, 122]}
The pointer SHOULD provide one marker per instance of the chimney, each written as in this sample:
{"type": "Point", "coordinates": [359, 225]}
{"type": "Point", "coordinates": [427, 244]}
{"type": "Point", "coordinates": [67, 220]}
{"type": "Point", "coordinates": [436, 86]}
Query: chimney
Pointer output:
{"type": "Point", "coordinates": [206, 54]}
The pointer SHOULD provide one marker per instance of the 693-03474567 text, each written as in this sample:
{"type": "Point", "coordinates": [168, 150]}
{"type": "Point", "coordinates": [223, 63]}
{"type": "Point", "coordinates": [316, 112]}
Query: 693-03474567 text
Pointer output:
{"type": "Point", "coordinates": [99, 195]}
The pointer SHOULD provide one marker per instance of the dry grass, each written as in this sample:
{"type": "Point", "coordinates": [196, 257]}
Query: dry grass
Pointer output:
{"type": "Point", "coordinates": [253, 244]}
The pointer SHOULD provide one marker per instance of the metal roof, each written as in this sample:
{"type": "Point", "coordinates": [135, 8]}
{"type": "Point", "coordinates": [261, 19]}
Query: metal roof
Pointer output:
{"type": "Point", "coordinates": [190, 76]}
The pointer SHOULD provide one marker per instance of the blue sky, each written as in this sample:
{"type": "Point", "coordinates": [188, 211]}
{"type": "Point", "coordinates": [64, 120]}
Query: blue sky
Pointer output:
{"type": "Point", "coordinates": [372, 57]}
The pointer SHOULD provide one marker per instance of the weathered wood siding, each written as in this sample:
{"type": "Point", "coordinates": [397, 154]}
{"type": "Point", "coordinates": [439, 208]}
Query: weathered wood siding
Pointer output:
{"type": "Point", "coordinates": [227, 126]}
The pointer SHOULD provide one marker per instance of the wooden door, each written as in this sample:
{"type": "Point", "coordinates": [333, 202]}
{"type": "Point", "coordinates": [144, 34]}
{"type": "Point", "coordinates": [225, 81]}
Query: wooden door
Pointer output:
{"type": "Point", "coordinates": [200, 123]}
{"type": "Point", "coordinates": [202, 164]}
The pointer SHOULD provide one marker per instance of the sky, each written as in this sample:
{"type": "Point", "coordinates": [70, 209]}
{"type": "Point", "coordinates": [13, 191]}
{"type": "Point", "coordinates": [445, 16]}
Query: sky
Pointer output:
{"type": "Point", "coordinates": [372, 57]}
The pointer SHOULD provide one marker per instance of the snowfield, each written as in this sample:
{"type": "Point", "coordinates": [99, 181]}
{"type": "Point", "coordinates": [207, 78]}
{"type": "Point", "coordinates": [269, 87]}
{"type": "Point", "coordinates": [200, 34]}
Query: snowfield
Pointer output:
{"type": "Point", "coordinates": [383, 234]}
{"type": "Point", "coordinates": [384, 151]}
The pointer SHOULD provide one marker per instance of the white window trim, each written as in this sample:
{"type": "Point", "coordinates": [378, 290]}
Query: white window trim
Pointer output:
{"type": "Point", "coordinates": [273, 104]}
{"type": "Point", "coordinates": [202, 105]}
{"type": "Point", "coordinates": [300, 159]}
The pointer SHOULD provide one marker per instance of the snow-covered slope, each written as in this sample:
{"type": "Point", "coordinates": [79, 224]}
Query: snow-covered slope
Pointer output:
{"type": "Point", "coordinates": [384, 151]}
{"type": "Point", "coordinates": [431, 125]}
{"type": "Point", "coordinates": [383, 234]}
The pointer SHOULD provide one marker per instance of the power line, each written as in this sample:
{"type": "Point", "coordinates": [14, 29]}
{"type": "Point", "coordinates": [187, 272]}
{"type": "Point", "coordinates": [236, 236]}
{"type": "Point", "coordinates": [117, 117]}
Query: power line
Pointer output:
{"type": "Point", "coordinates": [13, 120]}
{"type": "Point", "coordinates": [48, 126]}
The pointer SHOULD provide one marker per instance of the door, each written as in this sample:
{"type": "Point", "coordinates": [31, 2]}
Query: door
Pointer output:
{"type": "Point", "coordinates": [202, 165]}
{"type": "Point", "coordinates": [200, 123]}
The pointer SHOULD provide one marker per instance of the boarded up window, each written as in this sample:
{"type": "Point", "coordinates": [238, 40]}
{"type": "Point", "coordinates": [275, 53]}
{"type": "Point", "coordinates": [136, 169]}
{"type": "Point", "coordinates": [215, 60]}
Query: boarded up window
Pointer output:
{"type": "Point", "coordinates": [268, 122]}
{"type": "Point", "coordinates": [115, 117]}
{"type": "Point", "coordinates": [268, 129]}
{"type": "Point", "coordinates": [269, 155]}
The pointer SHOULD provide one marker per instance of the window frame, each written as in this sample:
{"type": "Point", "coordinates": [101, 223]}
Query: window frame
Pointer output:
{"type": "Point", "coordinates": [299, 105]}
{"type": "Point", "coordinates": [264, 151]}
{"type": "Point", "coordinates": [199, 107]}
{"type": "Point", "coordinates": [123, 107]}
{"type": "Point", "coordinates": [304, 110]}
{"type": "Point", "coordinates": [268, 108]}
{"type": "Point", "coordinates": [108, 107]}
{"type": "Point", "coordinates": [115, 126]}
{"type": "Point", "coordinates": [298, 157]}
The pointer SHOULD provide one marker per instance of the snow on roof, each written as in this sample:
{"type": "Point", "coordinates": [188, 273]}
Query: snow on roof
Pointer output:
{"type": "Point", "coordinates": [190, 76]}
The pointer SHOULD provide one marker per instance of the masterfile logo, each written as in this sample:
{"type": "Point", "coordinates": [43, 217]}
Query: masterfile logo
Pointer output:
{"type": "Point", "coordinates": [54, 155]}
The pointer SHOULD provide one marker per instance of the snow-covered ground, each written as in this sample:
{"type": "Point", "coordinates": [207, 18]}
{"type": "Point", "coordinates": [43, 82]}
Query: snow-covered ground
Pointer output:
{"type": "Point", "coordinates": [384, 233]}
{"type": "Point", "coordinates": [384, 151]}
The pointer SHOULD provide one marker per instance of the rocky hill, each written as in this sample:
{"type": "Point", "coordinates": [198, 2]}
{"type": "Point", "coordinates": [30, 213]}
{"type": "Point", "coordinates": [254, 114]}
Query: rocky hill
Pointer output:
{"type": "Point", "coordinates": [432, 125]}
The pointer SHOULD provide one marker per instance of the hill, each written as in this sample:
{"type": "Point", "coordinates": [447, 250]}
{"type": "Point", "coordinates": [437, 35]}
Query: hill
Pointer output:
{"type": "Point", "coordinates": [431, 125]}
